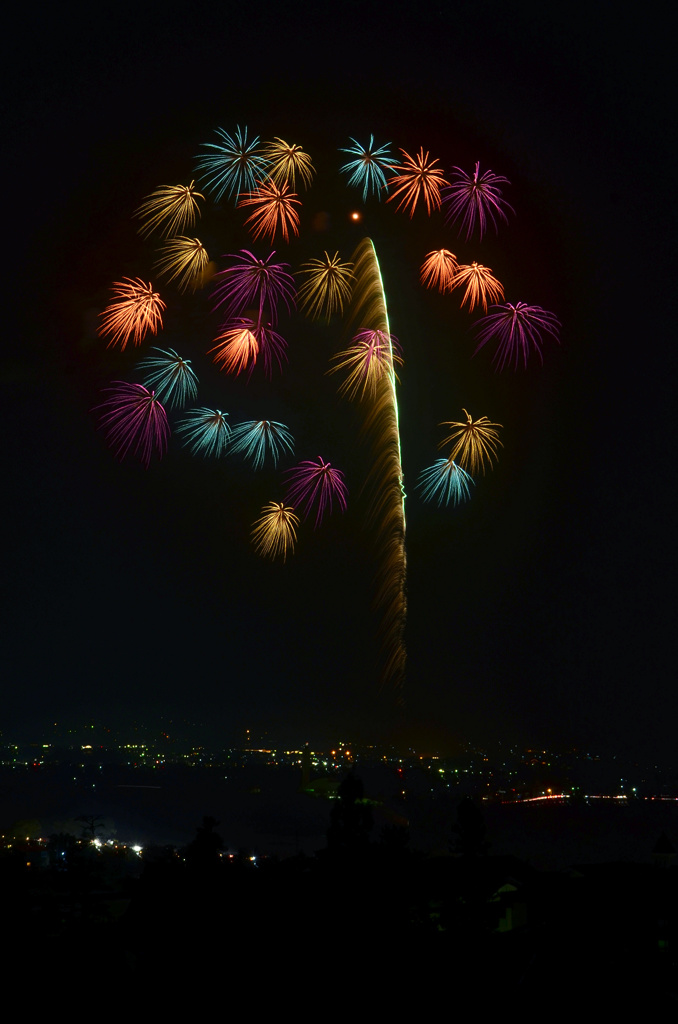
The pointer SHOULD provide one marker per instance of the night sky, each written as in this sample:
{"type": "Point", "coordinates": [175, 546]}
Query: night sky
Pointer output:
{"type": "Point", "coordinates": [539, 613]}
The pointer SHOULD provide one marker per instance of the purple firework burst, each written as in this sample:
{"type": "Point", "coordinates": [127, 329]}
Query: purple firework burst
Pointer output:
{"type": "Point", "coordinates": [135, 421]}
{"type": "Point", "coordinates": [272, 346]}
{"type": "Point", "coordinates": [316, 483]}
{"type": "Point", "coordinates": [252, 282]}
{"type": "Point", "coordinates": [517, 330]}
{"type": "Point", "coordinates": [475, 198]}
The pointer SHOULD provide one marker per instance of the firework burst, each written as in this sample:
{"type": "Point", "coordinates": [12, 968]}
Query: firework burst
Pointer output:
{"type": "Point", "coordinates": [254, 282]}
{"type": "Point", "coordinates": [474, 443]}
{"type": "Point", "coordinates": [275, 534]}
{"type": "Point", "coordinates": [480, 285]}
{"type": "Point", "coordinates": [327, 286]}
{"type": "Point", "coordinates": [517, 330]}
{"type": "Point", "coordinates": [184, 260]}
{"type": "Point", "coordinates": [439, 269]}
{"type": "Point", "coordinates": [316, 485]}
{"type": "Point", "coordinates": [134, 422]}
{"type": "Point", "coordinates": [234, 165]}
{"type": "Point", "coordinates": [206, 431]}
{"type": "Point", "coordinates": [367, 170]}
{"type": "Point", "coordinates": [257, 439]}
{"type": "Point", "coordinates": [475, 199]}
{"type": "Point", "coordinates": [138, 311]}
{"type": "Point", "coordinates": [285, 161]}
{"type": "Point", "coordinates": [368, 360]}
{"type": "Point", "coordinates": [172, 377]}
{"type": "Point", "coordinates": [170, 210]}
{"type": "Point", "coordinates": [446, 482]}
{"type": "Point", "coordinates": [274, 210]}
{"type": "Point", "coordinates": [419, 178]}
{"type": "Point", "coordinates": [236, 348]}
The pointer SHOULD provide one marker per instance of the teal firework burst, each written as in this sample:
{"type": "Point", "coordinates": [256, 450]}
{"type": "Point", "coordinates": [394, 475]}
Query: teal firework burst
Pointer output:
{"type": "Point", "coordinates": [234, 165]}
{"type": "Point", "coordinates": [367, 170]}
{"type": "Point", "coordinates": [171, 376]}
{"type": "Point", "coordinates": [206, 431]}
{"type": "Point", "coordinates": [446, 482]}
{"type": "Point", "coordinates": [257, 439]}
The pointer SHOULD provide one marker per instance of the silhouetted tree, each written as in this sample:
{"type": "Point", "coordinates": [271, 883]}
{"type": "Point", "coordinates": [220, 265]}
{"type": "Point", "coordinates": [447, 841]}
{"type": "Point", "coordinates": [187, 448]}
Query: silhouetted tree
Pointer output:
{"type": "Point", "coordinates": [203, 851]}
{"type": "Point", "coordinates": [350, 817]}
{"type": "Point", "coordinates": [470, 829]}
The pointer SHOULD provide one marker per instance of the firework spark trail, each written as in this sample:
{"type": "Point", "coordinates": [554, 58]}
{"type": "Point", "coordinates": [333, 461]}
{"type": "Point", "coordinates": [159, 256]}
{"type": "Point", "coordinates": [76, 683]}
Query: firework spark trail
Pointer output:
{"type": "Point", "coordinates": [387, 495]}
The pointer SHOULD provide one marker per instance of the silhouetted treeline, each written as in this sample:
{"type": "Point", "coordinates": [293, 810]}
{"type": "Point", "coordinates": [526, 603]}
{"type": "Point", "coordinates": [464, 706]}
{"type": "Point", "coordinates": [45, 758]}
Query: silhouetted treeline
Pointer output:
{"type": "Point", "coordinates": [465, 926]}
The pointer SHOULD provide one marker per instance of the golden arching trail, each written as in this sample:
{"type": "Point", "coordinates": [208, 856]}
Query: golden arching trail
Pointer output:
{"type": "Point", "coordinates": [385, 481]}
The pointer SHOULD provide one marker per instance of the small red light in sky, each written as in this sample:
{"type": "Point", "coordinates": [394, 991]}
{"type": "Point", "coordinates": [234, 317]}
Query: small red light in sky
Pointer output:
{"type": "Point", "coordinates": [356, 216]}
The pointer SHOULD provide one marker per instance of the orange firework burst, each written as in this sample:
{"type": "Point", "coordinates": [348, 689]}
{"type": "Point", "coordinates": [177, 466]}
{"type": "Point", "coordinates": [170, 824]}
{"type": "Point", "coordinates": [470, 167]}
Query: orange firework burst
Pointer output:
{"type": "Point", "coordinates": [274, 208]}
{"type": "Point", "coordinates": [480, 285]}
{"type": "Point", "coordinates": [236, 349]}
{"type": "Point", "coordinates": [286, 161]}
{"type": "Point", "coordinates": [474, 443]}
{"type": "Point", "coordinates": [419, 178]}
{"type": "Point", "coordinates": [439, 269]}
{"type": "Point", "coordinates": [170, 209]}
{"type": "Point", "coordinates": [138, 311]}
{"type": "Point", "coordinates": [275, 533]}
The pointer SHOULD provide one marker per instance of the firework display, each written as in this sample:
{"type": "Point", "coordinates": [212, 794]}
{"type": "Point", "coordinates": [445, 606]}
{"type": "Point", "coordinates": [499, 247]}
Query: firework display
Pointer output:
{"type": "Point", "coordinates": [172, 377]}
{"type": "Point", "coordinates": [206, 431]}
{"type": "Point", "coordinates": [170, 210]}
{"type": "Point", "coordinates": [475, 199]}
{"type": "Point", "coordinates": [275, 534]}
{"type": "Point", "coordinates": [316, 485]}
{"type": "Point", "coordinates": [517, 331]}
{"type": "Point", "coordinates": [446, 482]}
{"type": "Point", "coordinates": [232, 310]}
{"type": "Point", "coordinates": [134, 421]}
{"type": "Point", "coordinates": [474, 443]}
{"type": "Point", "coordinates": [367, 170]}
{"type": "Point", "coordinates": [183, 260]}
{"type": "Point", "coordinates": [419, 178]}
{"type": "Point", "coordinates": [138, 312]}
{"type": "Point", "coordinates": [327, 287]}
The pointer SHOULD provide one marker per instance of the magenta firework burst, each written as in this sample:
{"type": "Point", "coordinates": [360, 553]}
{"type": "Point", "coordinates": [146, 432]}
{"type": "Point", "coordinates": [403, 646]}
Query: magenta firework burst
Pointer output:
{"type": "Point", "coordinates": [517, 331]}
{"type": "Point", "coordinates": [134, 421]}
{"type": "Point", "coordinates": [253, 282]}
{"type": "Point", "coordinates": [316, 485]}
{"type": "Point", "coordinates": [475, 199]}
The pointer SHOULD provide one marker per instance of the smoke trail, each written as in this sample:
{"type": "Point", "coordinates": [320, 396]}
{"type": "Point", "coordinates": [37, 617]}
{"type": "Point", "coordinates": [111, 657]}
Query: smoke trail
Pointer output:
{"type": "Point", "coordinates": [385, 481]}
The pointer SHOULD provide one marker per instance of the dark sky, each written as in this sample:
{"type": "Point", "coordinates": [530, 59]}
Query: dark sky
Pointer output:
{"type": "Point", "coordinates": [539, 613]}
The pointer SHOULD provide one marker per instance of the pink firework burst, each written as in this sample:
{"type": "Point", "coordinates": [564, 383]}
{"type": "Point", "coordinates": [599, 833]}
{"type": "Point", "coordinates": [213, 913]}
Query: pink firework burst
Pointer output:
{"type": "Point", "coordinates": [316, 484]}
{"type": "Point", "coordinates": [134, 422]}
{"type": "Point", "coordinates": [475, 199]}
{"type": "Point", "coordinates": [251, 282]}
{"type": "Point", "coordinates": [517, 331]}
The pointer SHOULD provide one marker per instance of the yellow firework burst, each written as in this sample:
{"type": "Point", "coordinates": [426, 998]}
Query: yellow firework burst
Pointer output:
{"type": "Point", "coordinates": [371, 357]}
{"type": "Point", "coordinates": [286, 161]}
{"type": "Point", "coordinates": [138, 311]}
{"type": "Point", "coordinates": [438, 270]}
{"type": "Point", "coordinates": [170, 210]}
{"type": "Point", "coordinates": [184, 260]}
{"type": "Point", "coordinates": [274, 209]}
{"type": "Point", "coordinates": [480, 285]}
{"type": "Point", "coordinates": [474, 443]}
{"type": "Point", "coordinates": [275, 534]}
{"type": "Point", "coordinates": [327, 286]}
